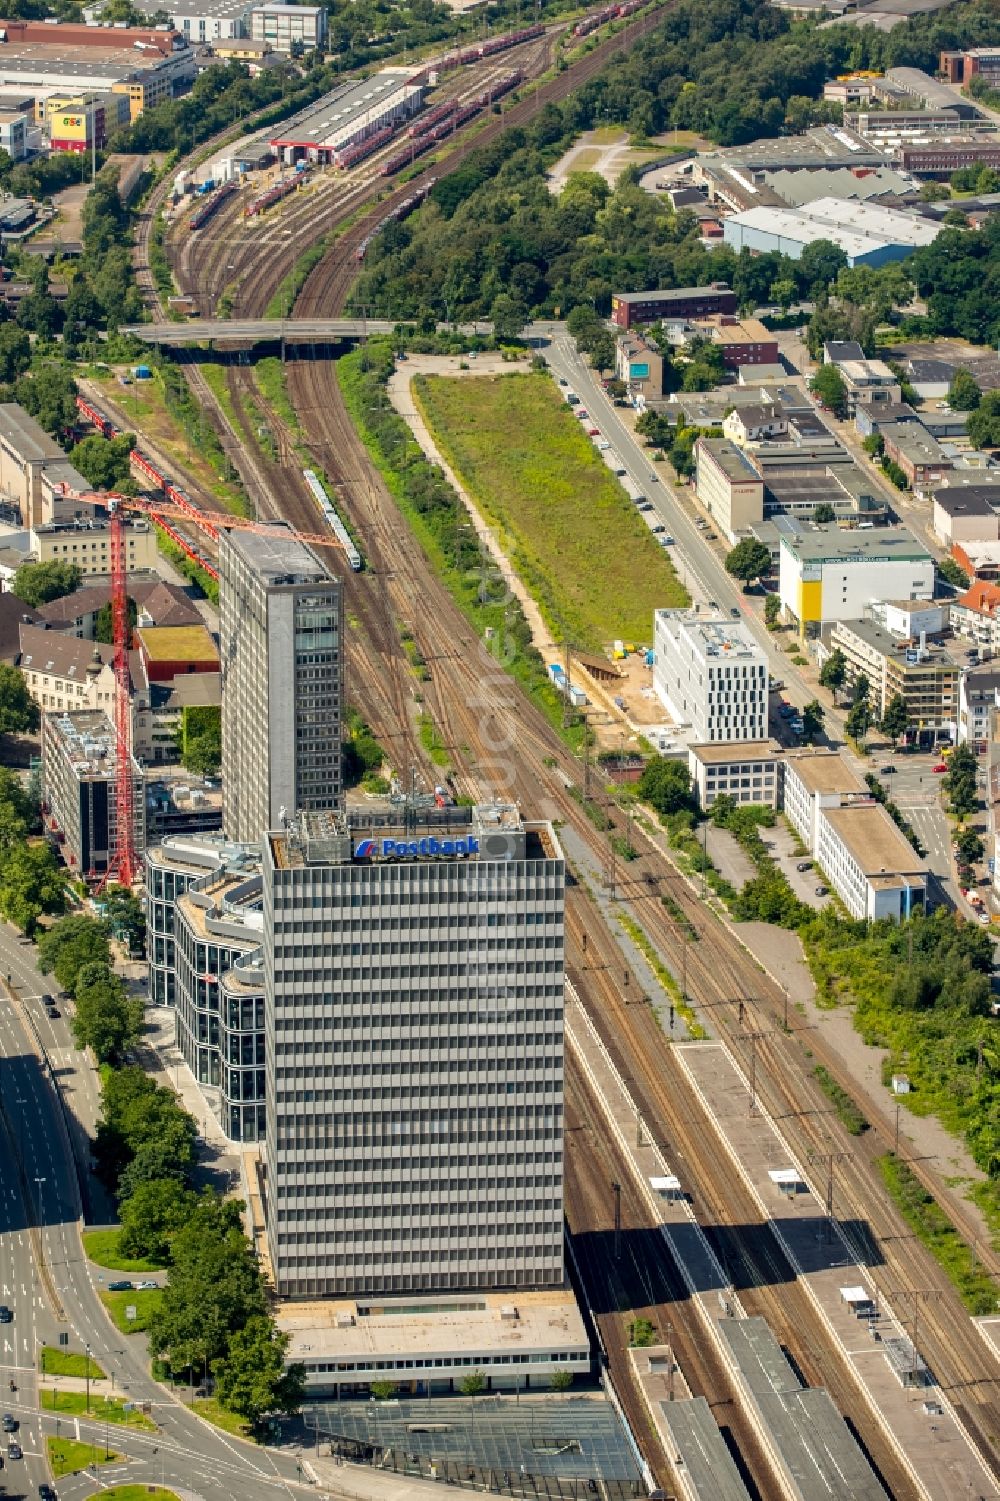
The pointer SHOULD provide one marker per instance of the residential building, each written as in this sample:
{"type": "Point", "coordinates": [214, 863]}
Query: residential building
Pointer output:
{"type": "Point", "coordinates": [639, 364]}
{"type": "Point", "coordinates": [728, 486]}
{"type": "Point", "coordinates": [842, 351]}
{"type": "Point", "coordinates": [684, 303]}
{"type": "Point", "coordinates": [711, 675]}
{"type": "Point", "coordinates": [63, 673]}
{"type": "Point", "coordinates": [906, 619]}
{"type": "Point", "coordinates": [814, 781]}
{"type": "Point", "coordinates": [743, 341]}
{"type": "Point", "coordinates": [871, 417]}
{"type": "Point", "coordinates": [88, 544]}
{"type": "Point", "coordinates": [869, 383]}
{"type": "Point", "coordinates": [747, 771]}
{"type": "Point", "coordinates": [157, 603]}
{"type": "Point", "coordinates": [980, 560]}
{"type": "Point", "coordinates": [171, 866]}
{"type": "Point", "coordinates": [79, 760]}
{"type": "Point", "coordinates": [170, 651]}
{"type": "Point", "coordinates": [979, 700]}
{"type": "Point", "coordinates": [436, 978]}
{"type": "Point", "coordinates": [923, 675]}
{"type": "Point", "coordinates": [281, 647]}
{"type": "Point", "coordinates": [871, 866]}
{"type": "Point", "coordinates": [967, 513]}
{"type": "Point", "coordinates": [756, 424]}
{"type": "Point", "coordinates": [826, 574]}
{"type": "Point", "coordinates": [921, 457]}
{"type": "Point", "coordinates": [975, 615]}
{"type": "Point", "coordinates": [289, 28]}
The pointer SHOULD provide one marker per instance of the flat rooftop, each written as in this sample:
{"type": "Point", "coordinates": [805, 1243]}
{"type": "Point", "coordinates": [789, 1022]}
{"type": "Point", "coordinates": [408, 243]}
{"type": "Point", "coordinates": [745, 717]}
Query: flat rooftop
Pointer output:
{"type": "Point", "coordinates": [886, 644]}
{"type": "Point", "coordinates": [673, 294]}
{"type": "Point", "coordinates": [178, 643]}
{"type": "Point", "coordinates": [730, 458]}
{"type": "Point", "coordinates": [277, 556]}
{"type": "Point", "coordinates": [828, 544]}
{"type": "Point", "coordinates": [824, 771]}
{"type": "Point", "coordinates": [724, 752]}
{"type": "Point", "coordinates": [87, 740]}
{"type": "Point", "coordinates": [476, 1323]}
{"type": "Point", "coordinates": [218, 10]}
{"type": "Point", "coordinates": [714, 636]}
{"type": "Point", "coordinates": [710, 1473]}
{"type": "Point", "coordinates": [869, 834]}
{"type": "Point", "coordinates": [329, 117]}
{"type": "Point", "coordinates": [968, 500]}
{"type": "Point", "coordinates": [23, 434]}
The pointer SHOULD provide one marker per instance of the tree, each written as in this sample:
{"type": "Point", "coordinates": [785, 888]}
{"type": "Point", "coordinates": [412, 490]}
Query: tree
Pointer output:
{"type": "Point", "coordinates": [824, 513]}
{"type": "Point", "coordinates": [834, 671]}
{"type": "Point", "coordinates": [819, 266]}
{"type": "Point", "coordinates": [860, 688]}
{"type": "Point", "coordinates": [509, 315]}
{"type": "Point", "coordinates": [858, 721]}
{"type": "Point", "coordinates": [472, 1384]}
{"type": "Point", "coordinates": [201, 740]}
{"type": "Point", "coordinates": [896, 719]}
{"type": "Point", "coordinates": [602, 351]}
{"type": "Point", "coordinates": [18, 710]}
{"type": "Point", "coordinates": [48, 392]}
{"type": "Point", "coordinates": [969, 845]}
{"type": "Point", "coordinates": [151, 1216]}
{"type": "Point", "coordinates": [813, 716]}
{"type": "Point", "coordinates": [382, 1391]}
{"type": "Point", "coordinates": [666, 785]}
{"type": "Point", "coordinates": [104, 626]}
{"type": "Point", "coordinates": [126, 917]}
{"type": "Point", "coordinates": [748, 560]}
{"type": "Point", "coordinates": [38, 583]}
{"type": "Point", "coordinates": [69, 945]}
{"type": "Point", "coordinates": [984, 423]}
{"type": "Point", "coordinates": [252, 1380]}
{"type": "Point", "coordinates": [18, 812]}
{"type": "Point", "coordinates": [105, 463]}
{"type": "Point", "coordinates": [561, 1380]}
{"type": "Point", "coordinates": [960, 782]}
{"type": "Point", "coordinates": [32, 882]}
{"type": "Point", "coordinates": [964, 394]}
{"type": "Point", "coordinates": [106, 1019]}
{"type": "Point", "coordinates": [772, 609]}
{"type": "Point", "coordinates": [15, 352]}
{"type": "Point", "coordinates": [783, 292]}
{"type": "Point", "coordinates": [140, 1118]}
{"type": "Point", "coordinates": [953, 574]}
{"type": "Point", "coordinates": [828, 385]}
{"type": "Point", "coordinates": [153, 1162]}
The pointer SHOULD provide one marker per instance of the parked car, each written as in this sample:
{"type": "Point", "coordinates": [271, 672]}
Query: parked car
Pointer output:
{"type": "Point", "coordinates": [804, 865]}
{"type": "Point", "coordinates": [667, 541]}
{"type": "Point", "coordinates": [822, 890]}
{"type": "Point", "coordinates": [985, 919]}
{"type": "Point", "coordinates": [563, 381]}
{"type": "Point", "coordinates": [604, 444]}
{"type": "Point", "coordinates": [710, 536]}
{"type": "Point", "coordinates": [146, 1286]}
{"type": "Point", "coordinates": [593, 432]}
{"type": "Point", "coordinates": [120, 1287]}
{"type": "Point", "coordinates": [734, 612]}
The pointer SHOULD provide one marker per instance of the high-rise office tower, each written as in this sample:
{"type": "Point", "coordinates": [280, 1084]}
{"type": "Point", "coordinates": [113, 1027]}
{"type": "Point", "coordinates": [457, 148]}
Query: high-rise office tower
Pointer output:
{"type": "Point", "coordinates": [413, 981]}
{"type": "Point", "coordinates": [281, 640]}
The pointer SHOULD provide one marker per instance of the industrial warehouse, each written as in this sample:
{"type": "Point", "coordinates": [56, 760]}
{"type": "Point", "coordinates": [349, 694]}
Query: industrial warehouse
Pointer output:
{"type": "Point", "coordinates": [350, 114]}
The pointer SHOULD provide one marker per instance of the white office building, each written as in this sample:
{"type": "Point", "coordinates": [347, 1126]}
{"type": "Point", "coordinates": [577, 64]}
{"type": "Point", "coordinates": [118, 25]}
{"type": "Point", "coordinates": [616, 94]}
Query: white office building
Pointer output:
{"type": "Point", "coordinates": [413, 980]}
{"type": "Point", "coordinates": [710, 675]}
{"type": "Point", "coordinates": [873, 869]}
{"type": "Point", "coordinates": [289, 27]}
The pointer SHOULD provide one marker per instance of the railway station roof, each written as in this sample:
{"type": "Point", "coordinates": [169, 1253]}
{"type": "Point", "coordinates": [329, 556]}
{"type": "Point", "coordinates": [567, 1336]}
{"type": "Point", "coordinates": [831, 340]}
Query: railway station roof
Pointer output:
{"type": "Point", "coordinates": [710, 1472]}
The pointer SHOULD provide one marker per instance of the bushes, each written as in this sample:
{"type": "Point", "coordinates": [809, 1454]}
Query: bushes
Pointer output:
{"type": "Point", "coordinates": [931, 1225]}
{"type": "Point", "coordinates": [849, 1113]}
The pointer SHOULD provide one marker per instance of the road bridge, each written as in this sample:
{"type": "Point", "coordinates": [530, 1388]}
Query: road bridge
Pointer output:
{"type": "Point", "coordinates": [249, 331]}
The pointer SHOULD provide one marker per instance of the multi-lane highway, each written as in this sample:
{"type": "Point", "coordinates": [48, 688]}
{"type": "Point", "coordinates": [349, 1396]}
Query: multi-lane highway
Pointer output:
{"type": "Point", "coordinates": [51, 1287]}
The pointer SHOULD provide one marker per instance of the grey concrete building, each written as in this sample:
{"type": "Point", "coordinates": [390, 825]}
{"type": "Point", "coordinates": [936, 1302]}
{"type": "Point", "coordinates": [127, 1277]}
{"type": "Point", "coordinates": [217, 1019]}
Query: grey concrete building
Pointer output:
{"type": "Point", "coordinates": [414, 1047]}
{"type": "Point", "coordinates": [281, 645]}
{"type": "Point", "coordinates": [79, 757]}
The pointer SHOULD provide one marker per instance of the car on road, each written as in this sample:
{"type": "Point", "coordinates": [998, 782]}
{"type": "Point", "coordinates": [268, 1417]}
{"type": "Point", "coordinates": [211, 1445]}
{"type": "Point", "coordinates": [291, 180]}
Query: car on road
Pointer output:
{"type": "Point", "coordinates": [53, 1013]}
{"type": "Point", "coordinates": [46, 1492]}
{"type": "Point", "coordinates": [776, 685]}
{"type": "Point", "coordinates": [939, 768]}
{"type": "Point", "coordinates": [9, 1423]}
{"type": "Point", "coordinates": [14, 1451]}
{"type": "Point", "coordinates": [604, 445]}
{"type": "Point", "coordinates": [798, 725]}
{"type": "Point", "coordinates": [822, 890]}
{"type": "Point", "coordinates": [667, 541]}
{"type": "Point", "coordinates": [6, 1317]}
{"type": "Point", "coordinates": [563, 381]}
{"type": "Point", "coordinates": [146, 1286]}
{"type": "Point", "coordinates": [700, 521]}
{"type": "Point", "coordinates": [734, 612]}
{"type": "Point", "coordinates": [655, 478]}
{"type": "Point", "coordinates": [887, 771]}
{"type": "Point", "coordinates": [985, 919]}
{"type": "Point", "coordinates": [804, 865]}
{"type": "Point", "coordinates": [119, 1287]}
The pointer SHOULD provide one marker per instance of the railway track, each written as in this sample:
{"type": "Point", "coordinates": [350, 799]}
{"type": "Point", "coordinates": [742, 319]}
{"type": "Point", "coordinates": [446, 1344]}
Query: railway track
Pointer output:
{"type": "Point", "coordinates": [498, 742]}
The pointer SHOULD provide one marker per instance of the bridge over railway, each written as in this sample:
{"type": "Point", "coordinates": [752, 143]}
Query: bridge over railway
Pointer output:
{"type": "Point", "coordinates": [249, 331]}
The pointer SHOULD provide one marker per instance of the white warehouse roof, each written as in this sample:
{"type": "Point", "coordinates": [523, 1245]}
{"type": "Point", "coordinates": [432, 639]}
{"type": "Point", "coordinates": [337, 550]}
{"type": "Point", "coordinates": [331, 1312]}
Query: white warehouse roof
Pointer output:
{"type": "Point", "coordinates": [869, 218]}
{"type": "Point", "coordinates": [798, 227]}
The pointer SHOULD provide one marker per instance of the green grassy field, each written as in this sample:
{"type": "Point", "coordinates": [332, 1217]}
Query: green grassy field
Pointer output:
{"type": "Point", "coordinates": [577, 542]}
{"type": "Point", "coordinates": [144, 1303]}
{"type": "Point", "coordinates": [101, 1247]}
{"type": "Point", "coordinates": [57, 1362]}
{"type": "Point", "coordinates": [213, 1412]}
{"type": "Point", "coordinates": [102, 1409]}
{"type": "Point", "coordinates": [67, 1455]}
{"type": "Point", "coordinates": [138, 1493]}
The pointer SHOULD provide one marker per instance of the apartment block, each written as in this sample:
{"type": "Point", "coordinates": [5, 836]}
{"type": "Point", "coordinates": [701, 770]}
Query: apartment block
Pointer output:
{"type": "Point", "coordinates": [414, 971]}
{"type": "Point", "coordinates": [289, 28]}
{"type": "Point", "coordinates": [710, 674]}
{"type": "Point", "coordinates": [281, 646]}
{"type": "Point", "coordinates": [79, 761]}
{"type": "Point", "coordinates": [923, 675]}
{"type": "Point", "coordinates": [815, 780]}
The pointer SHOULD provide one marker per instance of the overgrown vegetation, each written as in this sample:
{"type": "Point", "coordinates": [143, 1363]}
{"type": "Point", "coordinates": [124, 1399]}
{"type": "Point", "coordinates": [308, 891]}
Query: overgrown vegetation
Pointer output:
{"type": "Point", "coordinates": [575, 540]}
{"type": "Point", "coordinates": [849, 1113]}
{"type": "Point", "coordinates": [931, 1225]}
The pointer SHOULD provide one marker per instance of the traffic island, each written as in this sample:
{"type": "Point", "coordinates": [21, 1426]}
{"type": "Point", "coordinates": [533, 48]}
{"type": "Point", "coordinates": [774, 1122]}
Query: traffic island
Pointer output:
{"type": "Point", "coordinates": [67, 1456]}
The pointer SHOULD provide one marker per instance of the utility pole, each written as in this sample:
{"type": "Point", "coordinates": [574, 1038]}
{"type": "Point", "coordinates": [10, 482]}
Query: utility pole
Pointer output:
{"type": "Point", "coordinates": [830, 1159]}
{"type": "Point", "coordinates": [918, 1294]}
{"type": "Point", "coordinates": [617, 1190]}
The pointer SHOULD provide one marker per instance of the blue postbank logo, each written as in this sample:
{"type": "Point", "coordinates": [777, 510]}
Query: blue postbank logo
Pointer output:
{"type": "Point", "coordinates": [387, 849]}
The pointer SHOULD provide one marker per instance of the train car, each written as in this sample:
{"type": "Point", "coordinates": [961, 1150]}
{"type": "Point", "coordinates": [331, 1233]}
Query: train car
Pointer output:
{"type": "Point", "coordinates": [360, 150]}
{"type": "Point", "coordinates": [277, 191]}
{"type": "Point", "coordinates": [395, 216]}
{"type": "Point", "coordinates": [148, 469]}
{"type": "Point", "coordinates": [97, 419]}
{"type": "Point", "coordinates": [416, 148]}
{"type": "Point", "coordinates": [427, 122]}
{"type": "Point", "coordinates": [354, 559]}
{"type": "Point", "coordinates": [211, 205]}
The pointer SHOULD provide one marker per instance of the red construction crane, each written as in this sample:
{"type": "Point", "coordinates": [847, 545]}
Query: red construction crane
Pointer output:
{"type": "Point", "coordinates": [123, 860]}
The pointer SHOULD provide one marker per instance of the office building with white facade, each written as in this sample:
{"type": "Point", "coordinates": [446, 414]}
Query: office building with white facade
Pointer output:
{"type": "Point", "coordinates": [813, 781]}
{"type": "Point", "coordinates": [873, 869]}
{"type": "Point", "coordinates": [826, 574]}
{"type": "Point", "coordinates": [748, 771]}
{"type": "Point", "coordinates": [289, 28]}
{"type": "Point", "coordinates": [414, 978]}
{"type": "Point", "coordinates": [281, 647]}
{"type": "Point", "coordinates": [711, 675]}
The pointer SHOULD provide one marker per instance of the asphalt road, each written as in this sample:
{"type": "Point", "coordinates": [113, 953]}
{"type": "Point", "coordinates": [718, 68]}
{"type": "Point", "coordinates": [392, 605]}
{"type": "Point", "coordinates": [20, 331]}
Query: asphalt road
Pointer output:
{"type": "Point", "coordinates": [52, 1288]}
